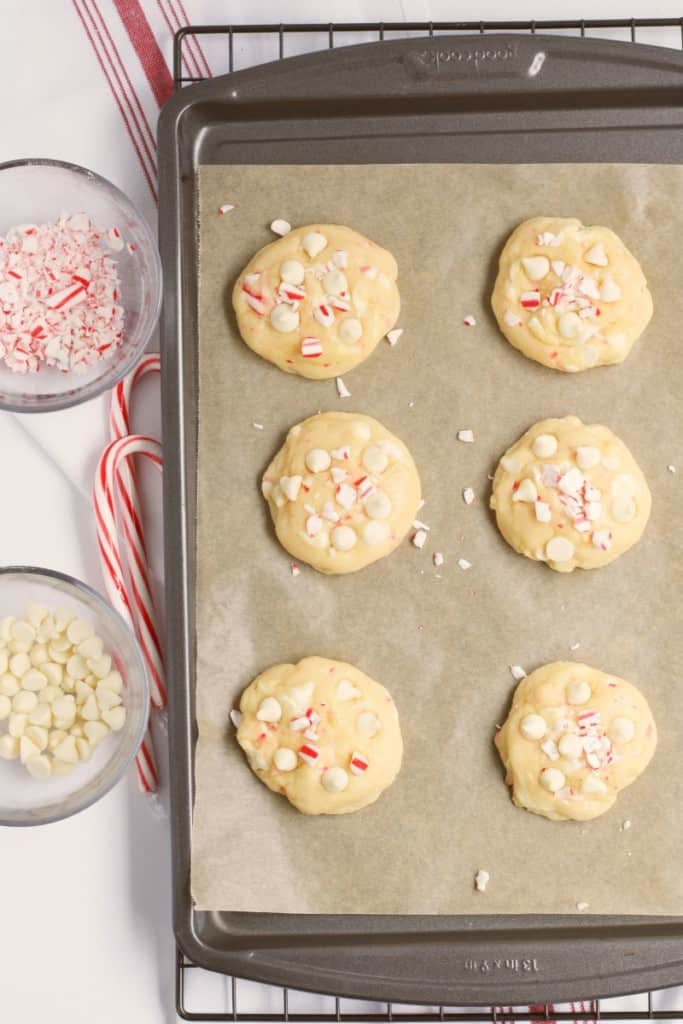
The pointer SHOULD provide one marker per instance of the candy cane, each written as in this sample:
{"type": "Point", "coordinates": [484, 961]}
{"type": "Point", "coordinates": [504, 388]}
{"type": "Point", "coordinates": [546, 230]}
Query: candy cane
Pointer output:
{"type": "Point", "coordinates": [142, 598]}
{"type": "Point", "coordinates": [108, 472]}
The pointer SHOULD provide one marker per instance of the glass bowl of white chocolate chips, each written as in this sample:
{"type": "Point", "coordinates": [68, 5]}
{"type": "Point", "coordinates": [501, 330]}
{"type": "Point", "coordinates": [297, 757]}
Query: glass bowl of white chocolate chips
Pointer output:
{"type": "Point", "coordinates": [74, 696]}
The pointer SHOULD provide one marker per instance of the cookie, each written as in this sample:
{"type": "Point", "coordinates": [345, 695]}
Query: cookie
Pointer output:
{"type": "Point", "coordinates": [317, 301]}
{"type": "Point", "coordinates": [570, 495]}
{"type": "Point", "coordinates": [570, 297]}
{"type": "Point", "coordinates": [574, 738]}
{"type": "Point", "coordinates": [321, 733]}
{"type": "Point", "coordinates": [342, 491]}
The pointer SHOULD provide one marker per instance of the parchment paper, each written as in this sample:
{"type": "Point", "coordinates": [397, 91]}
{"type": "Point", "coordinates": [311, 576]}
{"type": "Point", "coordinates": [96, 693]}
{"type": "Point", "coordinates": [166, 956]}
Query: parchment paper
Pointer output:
{"type": "Point", "coordinates": [441, 640]}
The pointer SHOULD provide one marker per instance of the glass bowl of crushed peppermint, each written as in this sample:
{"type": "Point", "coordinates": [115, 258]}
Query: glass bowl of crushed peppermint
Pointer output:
{"type": "Point", "coordinates": [74, 696]}
{"type": "Point", "coordinates": [80, 285]}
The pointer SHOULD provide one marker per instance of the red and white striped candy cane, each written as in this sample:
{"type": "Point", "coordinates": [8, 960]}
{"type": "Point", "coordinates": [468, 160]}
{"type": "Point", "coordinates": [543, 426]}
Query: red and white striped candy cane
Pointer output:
{"type": "Point", "coordinates": [141, 596]}
{"type": "Point", "coordinates": [106, 480]}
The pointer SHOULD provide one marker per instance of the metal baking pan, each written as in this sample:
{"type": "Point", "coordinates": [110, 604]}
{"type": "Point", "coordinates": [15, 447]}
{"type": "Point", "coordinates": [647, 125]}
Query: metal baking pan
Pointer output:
{"type": "Point", "coordinates": [493, 98]}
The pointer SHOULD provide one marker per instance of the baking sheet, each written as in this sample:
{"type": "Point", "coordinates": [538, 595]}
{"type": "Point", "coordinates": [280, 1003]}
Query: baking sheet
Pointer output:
{"type": "Point", "coordinates": [441, 640]}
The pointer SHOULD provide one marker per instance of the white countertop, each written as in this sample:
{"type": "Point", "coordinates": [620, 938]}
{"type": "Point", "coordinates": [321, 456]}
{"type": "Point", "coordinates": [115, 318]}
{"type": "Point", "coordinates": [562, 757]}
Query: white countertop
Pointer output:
{"type": "Point", "coordinates": [86, 903]}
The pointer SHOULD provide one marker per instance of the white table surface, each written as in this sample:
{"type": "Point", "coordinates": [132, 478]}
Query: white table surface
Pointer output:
{"type": "Point", "coordinates": [86, 903]}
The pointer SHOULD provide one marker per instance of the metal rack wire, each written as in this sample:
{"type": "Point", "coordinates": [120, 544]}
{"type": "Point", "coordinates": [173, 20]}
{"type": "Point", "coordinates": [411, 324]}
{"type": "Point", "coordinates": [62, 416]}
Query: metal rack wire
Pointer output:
{"type": "Point", "coordinates": [231, 52]}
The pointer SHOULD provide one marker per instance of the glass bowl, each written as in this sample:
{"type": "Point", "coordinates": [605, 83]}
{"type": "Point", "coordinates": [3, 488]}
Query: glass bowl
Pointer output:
{"type": "Point", "coordinates": [25, 800]}
{"type": "Point", "coordinates": [38, 191]}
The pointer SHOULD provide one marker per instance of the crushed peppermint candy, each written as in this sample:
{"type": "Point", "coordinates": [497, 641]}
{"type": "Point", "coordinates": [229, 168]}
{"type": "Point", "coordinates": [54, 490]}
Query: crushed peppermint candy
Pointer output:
{"type": "Point", "coordinates": [582, 905]}
{"type": "Point", "coordinates": [419, 539]}
{"type": "Point", "coordinates": [342, 390]}
{"type": "Point", "coordinates": [575, 647]}
{"type": "Point", "coordinates": [468, 495]}
{"type": "Point", "coordinates": [625, 825]}
{"type": "Point", "coordinates": [60, 295]}
{"type": "Point", "coordinates": [419, 525]}
{"type": "Point", "coordinates": [294, 569]}
{"type": "Point", "coordinates": [225, 208]}
{"type": "Point", "coordinates": [393, 336]}
{"type": "Point", "coordinates": [469, 321]}
{"type": "Point", "coordinates": [464, 564]}
{"type": "Point", "coordinates": [517, 673]}
{"type": "Point", "coordinates": [466, 436]}
{"type": "Point", "coordinates": [671, 468]}
{"type": "Point", "coordinates": [257, 426]}
{"type": "Point", "coordinates": [481, 880]}
{"type": "Point", "coordinates": [438, 559]}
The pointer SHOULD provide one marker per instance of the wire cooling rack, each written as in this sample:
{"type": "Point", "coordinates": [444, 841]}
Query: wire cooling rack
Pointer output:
{"type": "Point", "coordinates": [225, 998]}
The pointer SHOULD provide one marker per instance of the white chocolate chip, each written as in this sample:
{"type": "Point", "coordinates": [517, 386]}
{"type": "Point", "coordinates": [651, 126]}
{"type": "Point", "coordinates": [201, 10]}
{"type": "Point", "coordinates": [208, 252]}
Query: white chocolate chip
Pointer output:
{"type": "Point", "coordinates": [284, 319]}
{"type": "Point", "coordinates": [76, 667]}
{"type": "Point", "coordinates": [346, 690]}
{"type": "Point", "coordinates": [19, 664]}
{"type": "Point", "coordinates": [111, 681]}
{"type": "Point", "coordinates": [64, 707]}
{"type": "Point", "coordinates": [106, 699]}
{"type": "Point", "coordinates": [552, 779]}
{"type": "Point", "coordinates": [570, 746]}
{"type": "Point", "coordinates": [510, 464]}
{"type": "Point", "coordinates": [285, 759]}
{"type": "Point", "coordinates": [67, 750]}
{"type": "Point", "coordinates": [90, 710]}
{"type": "Point", "coordinates": [368, 724]}
{"type": "Point", "coordinates": [41, 715]}
{"type": "Point", "coordinates": [587, 456]}
{"type": "Point", "coordinates": [526, 491]}
{"type": "Point", "coordinates": [9, 685]}
{"type": "Point", "coordinates": [578, 692]}
{"type": "Point", "coordinates": [350, 329]}
{"type": "Point", "coordinates": [269, 710]}
{"type": "Point", "coordinates": [376, 532]}
{"type": "Point", "coordinates": [623, 509]}
{"type": "Point", "coordinates": [533, 727]}
{"type": "Point", "coordinates": [596, 255]}
{"type": "Point", "coordinates": [343, 538]}
{"type": "Point", "coordinates": [5, 707]}
{"type": "Point", "coordinates": [38, 735]}
{"type": "Point", "coordinates": [378, 505]}
{"type": "Point", "coordinates": [9, 747]}
{"type": "Point", "coordinates": [39, 766]}
{"type": "Point", "coordinates": [334, 282]}
{"type": "Point", "coordinates": [593, 785]}
{"type": "Point", "coordinates": [375, 459]}
{"type": "Point", "coordinates": [90, 648]}
{"type": "Point", "coordinates": [34, 680]}
{"type": "Point", "coordinates": [610, 290]}
{"type": "Point", "coordinates": [280, 227]}
{"type": "Point", "coordinates": [84, 749]}
{"type": "Point", "coordinates": [335, 780]}
{"type": "Point", "coordinates": [24, 702]}
{"type": "Point", "coordinates": [78, 631]}
{"type": "Point", "coordinates": [292, 272]}
{"type": "Point", "coordinates": [535, 267]}
{"type": "Point", "coordinates": [290, 485]}
{"type": "Point", "coordinates": [317, 460]}
{"type": "Point", "coordinates": [314, 242]}
{"type": "Point", "coordinates": [314, 525]}
{"type": "Point", "coordinates": [53, 672]}
{"type": "Point", "coordinates": [115, 718]}
{"type": "Point", "coordinates": [559, 549]}
{"type": "Point", "coordinates": [95, 732]}
{"type": "Point", "coordinates": [23, 634]}
{"type": "Point", "coordinates": [622, 729]}
{"type": "Point", "coordinates": [569, 326]}
{"type": "Point", "coordinates": [27, 749]}
{"type": "Point", "coordinates": [544, 446]}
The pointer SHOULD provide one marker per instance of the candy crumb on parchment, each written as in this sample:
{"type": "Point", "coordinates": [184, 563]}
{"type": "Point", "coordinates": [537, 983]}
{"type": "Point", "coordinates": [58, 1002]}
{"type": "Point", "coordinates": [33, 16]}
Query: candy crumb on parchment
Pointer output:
{"type": "Point", "coordinates": [468, 495]}
{"type": "Point", "coordinates": [438, 559]}
{"type": "Point", "coordinates": [469, 321]}
{"type": "Point", "coordinates": [342, 390]}
{"type": "Point", "coordinates": [575, 647]}
{"type": "Point", "coordinates": [419, 539]}
{"type": "Point", "coordinates": [671, 468]}
{"type": "Point", "coordinates": [225, 208]}
{"type": "Point", "coordinates": [481, 880]}
{"type": "Point", "coordinates": [236, 718]}
{"type": "Point", "coordinates": [582, 905]}
{"type": "Point", "coordinates": [294, 569]}
{"type": "Point", "coordinates": [257, 426]}
{"type": "Point", "coordinates": [517, 673]}
{"type": "Point", "coordinates": [464, 564]}
{"type": "Point", "coordinates": [419, 525]}
{"type": "Point", "coordinates": [393, 336]}
{"type": "Point", "coordinates": [466, 436]}
{"type": "Point", "coordinates": [625, 825]}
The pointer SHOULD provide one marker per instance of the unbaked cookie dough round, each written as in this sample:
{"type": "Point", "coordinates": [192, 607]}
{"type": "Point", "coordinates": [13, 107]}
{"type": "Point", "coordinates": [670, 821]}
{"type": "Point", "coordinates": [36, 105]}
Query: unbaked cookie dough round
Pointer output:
{"type": "Point", "coordinates": [570, 297]}
{"type": "Point", "coordinates": [317, 301]}
{"type": "Point", "coordinates": [573, 739]}
{"type": "Point", "coordinates": [322, 733]}
{"type": "Point", "coordinates": [570, 495]}
{"type": "Point", "coordinates": [343, 491]}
